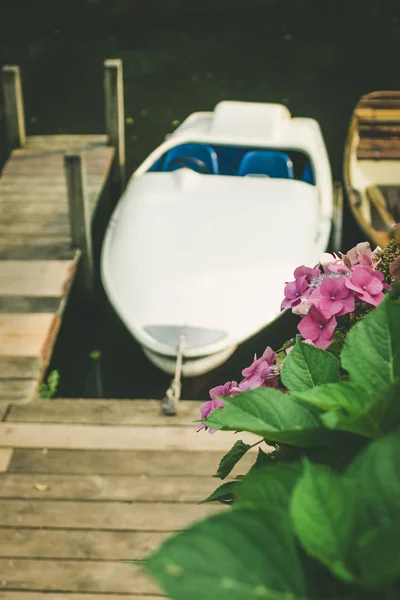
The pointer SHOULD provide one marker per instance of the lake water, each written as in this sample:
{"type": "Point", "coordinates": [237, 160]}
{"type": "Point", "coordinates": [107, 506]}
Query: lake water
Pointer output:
{"type": "Point", "coordinates": [318, 58]}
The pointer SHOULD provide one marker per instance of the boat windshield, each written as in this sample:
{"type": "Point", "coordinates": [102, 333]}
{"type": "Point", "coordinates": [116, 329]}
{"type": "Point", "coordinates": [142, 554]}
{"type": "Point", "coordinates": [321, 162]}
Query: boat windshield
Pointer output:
{"type": "Point", "coordinates": [237, 161]}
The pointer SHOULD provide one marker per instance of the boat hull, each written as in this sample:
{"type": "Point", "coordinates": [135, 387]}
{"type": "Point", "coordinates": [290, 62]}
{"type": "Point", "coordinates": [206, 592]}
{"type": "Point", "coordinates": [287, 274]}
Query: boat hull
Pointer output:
{"type": "Point", "coordinates": [190, 368]}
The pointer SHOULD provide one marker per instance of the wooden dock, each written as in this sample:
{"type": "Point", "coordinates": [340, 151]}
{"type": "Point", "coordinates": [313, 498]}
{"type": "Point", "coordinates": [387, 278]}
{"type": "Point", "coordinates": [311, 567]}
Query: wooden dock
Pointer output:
{"type": "Point", "coordinates": [89, 484]}
{"type": "Point", "coordinates": [50, 188]}
{"type": "Point", "coordinates": [85, 485]}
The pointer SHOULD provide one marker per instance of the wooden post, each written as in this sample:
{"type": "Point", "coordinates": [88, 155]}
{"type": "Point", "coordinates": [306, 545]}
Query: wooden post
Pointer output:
{"type": "Point", "coordinates": [115, 119]}
{"type": "Point", "coordinates": [13, 106]}
{"type": "Point", "coordinates": [79, 217]}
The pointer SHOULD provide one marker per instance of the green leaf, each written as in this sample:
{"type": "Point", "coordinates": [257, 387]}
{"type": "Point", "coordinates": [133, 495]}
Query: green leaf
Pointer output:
{"type": "Point", "coordinates": [242, 554]}
{"type": "Point", "coordinates": [323, 510]}
{"type": "Point", "coordinates": [276, 416]}
{"type": "Point", "coordinates": [269, 487]}
{"type": "Point", "coordinates": [264, 458]}
{"type": "Point", "coordinates": [224, 493]}
{"type": "Point", "coordinates": [333, 396]}
{"type": "Point", "coordinates": [378, 556]}
{"type": "Point", "coordinates": [371, 353]}
{"type": "Point", "coordinates": [380, 413]}
{"type": "Point", "coordinates": [230, 459]}
{"type": "Point", "coordinates": [308, 366]}
{"type": "Point", "coordinates": [376, 471]}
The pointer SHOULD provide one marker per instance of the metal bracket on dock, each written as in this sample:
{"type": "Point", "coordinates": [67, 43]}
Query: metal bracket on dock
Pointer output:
{"type": "Point", "coordinates": [172, 395]}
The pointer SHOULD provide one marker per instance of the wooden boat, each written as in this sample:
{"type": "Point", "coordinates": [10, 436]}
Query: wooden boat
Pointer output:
{"type": "Point", "coordinates": [211, 226]}
{"type": "Point", "coordinates": [372, 166]}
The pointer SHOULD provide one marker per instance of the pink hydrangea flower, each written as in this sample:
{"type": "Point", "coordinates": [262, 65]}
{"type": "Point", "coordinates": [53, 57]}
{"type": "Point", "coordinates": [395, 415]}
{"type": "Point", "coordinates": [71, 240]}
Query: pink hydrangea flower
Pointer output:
{"type": "Point", "coordinates": [327, 259]}
{"type": "Point", "coordinates": [367, 284]}
{"type": "Point", "coordinates": [308, 272]}
{"type": "Point", "coordinates": [302, 308]}
{"type": "Point", "coordinates": [294, 291]}
{"type": "Point", "coordinates": [333, 297]}
{"type": "Point", "coordinates": [361, 255]}
{"type": "Point", "coordinates": [317, 328]}
{"type": "Point", "coordinates": [260, 372]}
{"type": "Point", "coordinates": [210, 405]}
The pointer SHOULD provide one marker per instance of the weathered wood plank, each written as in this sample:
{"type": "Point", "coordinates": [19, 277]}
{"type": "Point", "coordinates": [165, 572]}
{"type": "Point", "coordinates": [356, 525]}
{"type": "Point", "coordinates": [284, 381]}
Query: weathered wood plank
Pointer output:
{"type": "Point", "coordinates": [5, 459]}
{"type": "Point", "coordinates": [75, 576]}
{"type": "Point", "coordinates": [20, 367]}
{"type": "Point", "coordinates": [32, 247]}
{"type": "Point", "coordinates": [125, 516]}
{"type": "Point", "coordinates": [27, 335]}
{"type": "Point", "coordinates": [13, 106]}
{"type": "Point", "coordinates": [124, 463]}
{"type": "Point", "coordinates": [9, 209]}
{"type": "Point", "coordinates": [29, 304]}
{"type": "Point", "coordinates": [56, 225]}
{"type": "Point", "coordinates": [36, 278]}
{"type": "Point", "coordinates": [4, 406]}
{"type": "Point", "coordinates": [24, 595]}
{"type": "Point", "coordinates": [110, 437]}
{"type": "Point", "coordinates": [104, 412]}
{"type": "Point", "coordinates": [141, 488]}
{"type": "Point", "coordinates": [61, 141]}
{"type": "Point", "coordinates": [78, 544]}
{"type": "Point", "coordinates": [17, 389]}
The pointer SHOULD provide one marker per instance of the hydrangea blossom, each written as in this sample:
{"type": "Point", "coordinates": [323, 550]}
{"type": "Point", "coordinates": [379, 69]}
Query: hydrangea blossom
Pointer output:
{"type": "Point", "coordinates": [215, 402]}
{"type": "Point", "coordinates": [319, 296]}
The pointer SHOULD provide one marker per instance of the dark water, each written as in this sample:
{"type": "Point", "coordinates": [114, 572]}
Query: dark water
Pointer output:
{"type": "Point", "coordinates": [318, 58]}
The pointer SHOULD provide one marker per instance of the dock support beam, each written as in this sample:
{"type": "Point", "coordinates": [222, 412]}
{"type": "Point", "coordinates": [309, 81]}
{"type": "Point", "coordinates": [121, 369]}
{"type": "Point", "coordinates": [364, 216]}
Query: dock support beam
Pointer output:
{"type": "Point", "coordinates": [13, 106]}
{"type": "Point", "coordinates": [79, 218]}
{"type": "Point", "coordinates": [115, 119]}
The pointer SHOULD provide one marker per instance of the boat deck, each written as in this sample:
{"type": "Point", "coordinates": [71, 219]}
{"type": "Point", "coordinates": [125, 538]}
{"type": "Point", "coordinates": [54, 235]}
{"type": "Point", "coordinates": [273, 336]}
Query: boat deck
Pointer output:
{"type": "Point", "coordinates": [37, 261]}
{"type": "Point", "coordinates": [88, 484]}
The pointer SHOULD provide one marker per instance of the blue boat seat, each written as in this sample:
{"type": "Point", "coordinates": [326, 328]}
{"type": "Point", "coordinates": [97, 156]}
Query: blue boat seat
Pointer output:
{"type": "Point", "coordinates": [201, 152]}
{"type": "Point", "coordinates": [308, 175]}
{"type": "Point", "coordinates": [266, 162]}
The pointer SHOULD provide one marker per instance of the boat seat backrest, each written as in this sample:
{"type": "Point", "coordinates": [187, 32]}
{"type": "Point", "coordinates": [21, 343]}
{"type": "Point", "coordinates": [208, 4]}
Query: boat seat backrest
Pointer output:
{"type": "Point", "coordinates": [266, 162]}
{"type": "Point", "coordinates": [308, 175]}
{"type": "Point", "coordinates": [205, 154]}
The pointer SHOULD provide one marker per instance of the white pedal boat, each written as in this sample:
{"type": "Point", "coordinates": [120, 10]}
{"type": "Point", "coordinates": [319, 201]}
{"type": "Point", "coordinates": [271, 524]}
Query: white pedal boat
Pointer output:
{"type": "Point", "coordinates": [211, 226]}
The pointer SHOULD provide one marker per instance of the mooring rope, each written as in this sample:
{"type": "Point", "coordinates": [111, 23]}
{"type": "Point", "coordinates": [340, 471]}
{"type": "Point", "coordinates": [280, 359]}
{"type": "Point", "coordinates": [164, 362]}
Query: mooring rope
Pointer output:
{"type": "Point", "coordinates": [173, 393]}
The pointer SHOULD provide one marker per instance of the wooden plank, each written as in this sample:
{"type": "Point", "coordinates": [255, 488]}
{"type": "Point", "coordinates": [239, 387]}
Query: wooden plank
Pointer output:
{"type": "Point", "coordinates": [4, 406]}
{"type": "Point", "coordinates": [27, 335]}
{"type": "Point", "coordinates": [104, 412]}
{"type": "Point", "coordinates": [110, 437]}
{"type": "Point", "coordinates": [141, 488]}
{"type": "Point", "coordinates": [36, 278]}
{"type": "Point", "coordinates": [20, 367]}
{"type": "Point", "coordinates": [115, 120]}
{"type": "Point", "coordinates": [63, 141]}
{"type": "Point", "coordinates": [378, 114]}
{"type": "Point", "coordinates": [24, 595]}
{"type": "Point", "coordinates": [78, 544]}
{"type": "Point", "coordinates": [80, 219]}
{"type": "Point", "coordinates": [142, 516]}
{"type": "Point", "coordinates": [29, 304]}
{"type": "Point", "coordinates": [13, 106]}
{"type": "Point", "coordinates": [368, 154]}
{"type": "Point", "coordinates": [18, 389]}
{"type": "Point", "coordinates": [5, 458]}
{"type": "Point", "coordinates": [75, 576]}
{"type": "Point", "coordinates": [31, 210]}
{"type": "Point", "coordinates": [31, 247]}
{"type": "Point", "coordinates": [57, 225]}
{"type": "Point", "coordinates": [103, 462]}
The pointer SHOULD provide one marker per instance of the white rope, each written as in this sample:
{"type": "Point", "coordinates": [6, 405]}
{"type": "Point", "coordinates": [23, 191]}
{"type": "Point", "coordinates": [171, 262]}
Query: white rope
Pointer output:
{"type": "Point", "coordinates": [173, 393]}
